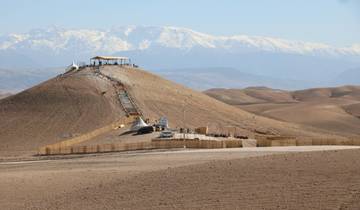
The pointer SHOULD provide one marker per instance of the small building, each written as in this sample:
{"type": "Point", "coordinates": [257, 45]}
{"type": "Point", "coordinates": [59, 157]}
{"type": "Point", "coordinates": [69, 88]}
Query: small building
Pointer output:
{"type": "Point", "coordinates": [163, 123]}
{"type": "Point", "coordinates": [110, 60]}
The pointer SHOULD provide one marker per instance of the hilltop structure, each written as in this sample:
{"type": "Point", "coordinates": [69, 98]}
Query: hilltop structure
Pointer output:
{"type": "Point", "coordinates": [112, 60]}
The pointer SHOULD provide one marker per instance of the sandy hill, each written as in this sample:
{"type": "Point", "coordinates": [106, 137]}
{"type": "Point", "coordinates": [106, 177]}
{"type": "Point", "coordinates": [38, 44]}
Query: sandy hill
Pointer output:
{"type": "Point", "coordinates": [335, 110]}
{"type": "Point", "coordinates": [343, 92]}
{"type": "Point", "coordinates": [250, 95]}
{"type": "Point", "coordinates": [77, 103]}
{"type": "Point", "coordinates": [56, 110]}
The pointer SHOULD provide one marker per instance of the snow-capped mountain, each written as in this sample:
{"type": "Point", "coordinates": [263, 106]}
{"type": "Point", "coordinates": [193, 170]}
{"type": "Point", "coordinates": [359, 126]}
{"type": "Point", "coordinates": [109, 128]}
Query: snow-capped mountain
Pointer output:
{"type": "Point", "coordinates": [172, 48]}
{"type": "Point", "coordinates": [130, 38]}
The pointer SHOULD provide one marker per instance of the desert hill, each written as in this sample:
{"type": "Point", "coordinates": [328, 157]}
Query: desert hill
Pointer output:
{"type": "Point", "coordinates": [251, 95]}
{"type": "Point", "coordinates": [55, 110]}
{"type": "Point", "coordinates": [343, 92]}
{"type": "Point", "coordinates": [73, 104]}
{"type": "Point", "coordinates": [158, 97]}
{"type": "Point", "coordinates": [335, 110]}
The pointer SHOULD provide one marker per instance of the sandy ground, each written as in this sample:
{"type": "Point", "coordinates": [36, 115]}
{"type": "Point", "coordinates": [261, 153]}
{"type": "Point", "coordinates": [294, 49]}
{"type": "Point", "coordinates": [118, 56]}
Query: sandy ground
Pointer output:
{"type": "Point", "coordinates": [243, 178]}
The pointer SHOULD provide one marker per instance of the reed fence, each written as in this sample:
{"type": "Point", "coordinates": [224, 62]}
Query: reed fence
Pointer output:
{"type": "Point", "coordinates": [307, 142]}
{"type": "Point", "coordinates": [156, 144]}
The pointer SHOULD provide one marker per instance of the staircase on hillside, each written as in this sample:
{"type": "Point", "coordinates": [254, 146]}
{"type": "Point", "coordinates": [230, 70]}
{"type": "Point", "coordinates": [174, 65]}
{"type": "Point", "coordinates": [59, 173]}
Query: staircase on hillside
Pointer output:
{"type": "Point", "coordinates": [125, 99]}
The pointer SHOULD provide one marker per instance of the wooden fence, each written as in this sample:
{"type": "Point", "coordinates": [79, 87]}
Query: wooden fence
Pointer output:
{"type": "Point", "coordinates": [156, 144]}
{"type": "Point", "coordinates": [306, 142]}
{"type": "Point", "coordinates": [61, 149]}
{"type": "Point", "coordinates": [87, 136]}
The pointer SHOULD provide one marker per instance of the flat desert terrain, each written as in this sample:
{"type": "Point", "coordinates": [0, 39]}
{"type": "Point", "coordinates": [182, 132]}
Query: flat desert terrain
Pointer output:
{"type": "Point", "coordinates": [312, 177]}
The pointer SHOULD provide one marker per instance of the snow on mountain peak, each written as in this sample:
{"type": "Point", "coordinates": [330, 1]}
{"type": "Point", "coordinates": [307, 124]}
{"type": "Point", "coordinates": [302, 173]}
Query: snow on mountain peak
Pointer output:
{"type": "Point", "coordinates": [184, 38]}
{"type": "Point", "coordinates": [126, 38]}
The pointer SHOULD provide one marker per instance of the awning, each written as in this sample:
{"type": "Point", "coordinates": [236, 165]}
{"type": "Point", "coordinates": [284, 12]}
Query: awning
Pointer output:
{"type": "Point", "coordinates": [109, 58]}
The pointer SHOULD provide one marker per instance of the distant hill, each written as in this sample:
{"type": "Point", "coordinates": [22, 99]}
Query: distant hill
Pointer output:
{"type": "Point", "coordinates": [335, 110]}
{"type": "Point", "coordinates": [251, 95]}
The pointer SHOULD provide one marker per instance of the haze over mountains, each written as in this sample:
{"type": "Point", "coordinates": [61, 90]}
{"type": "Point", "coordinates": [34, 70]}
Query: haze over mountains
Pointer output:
{"type": "Point", "coordinates": [252, 60]}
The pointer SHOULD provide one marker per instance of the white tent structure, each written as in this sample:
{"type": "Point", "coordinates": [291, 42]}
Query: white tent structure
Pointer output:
{"type": "Point", "coordinates": [73, 66]}
{"type": "Point", "coordinates": [139, 123]}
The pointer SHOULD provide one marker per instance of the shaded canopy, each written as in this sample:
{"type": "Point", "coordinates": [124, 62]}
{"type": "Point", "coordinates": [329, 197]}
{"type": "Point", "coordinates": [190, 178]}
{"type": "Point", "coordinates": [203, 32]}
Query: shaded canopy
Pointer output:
{"type": "Point", "coordinates": [110, 58]}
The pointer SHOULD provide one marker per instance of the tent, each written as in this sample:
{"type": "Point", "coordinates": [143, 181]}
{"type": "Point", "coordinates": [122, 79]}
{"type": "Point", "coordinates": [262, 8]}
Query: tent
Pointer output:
{"type": "Point", "coordinates": [73, 66]}
{"type": "Point", "coordinates": [139, 123]}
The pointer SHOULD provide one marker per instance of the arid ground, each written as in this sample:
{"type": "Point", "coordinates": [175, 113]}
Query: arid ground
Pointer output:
{"type": "Point", "coordinates": [254, 178]}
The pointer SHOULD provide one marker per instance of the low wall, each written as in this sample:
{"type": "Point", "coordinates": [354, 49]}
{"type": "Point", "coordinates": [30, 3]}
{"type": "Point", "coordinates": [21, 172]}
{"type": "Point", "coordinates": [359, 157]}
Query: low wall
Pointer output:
{"type": "Point", "coordinates": [156, 144]}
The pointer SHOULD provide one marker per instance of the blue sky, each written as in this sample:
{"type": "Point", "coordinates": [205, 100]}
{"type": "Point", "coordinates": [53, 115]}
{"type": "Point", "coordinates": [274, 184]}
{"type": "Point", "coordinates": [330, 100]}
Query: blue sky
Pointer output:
{"type": "Point", "coordinates": [335, 22]}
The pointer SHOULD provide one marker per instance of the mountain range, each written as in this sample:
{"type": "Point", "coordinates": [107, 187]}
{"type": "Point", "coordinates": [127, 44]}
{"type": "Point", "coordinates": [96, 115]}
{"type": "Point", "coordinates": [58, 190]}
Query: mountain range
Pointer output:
{"type": "Point", "coordinates": [170, 49]}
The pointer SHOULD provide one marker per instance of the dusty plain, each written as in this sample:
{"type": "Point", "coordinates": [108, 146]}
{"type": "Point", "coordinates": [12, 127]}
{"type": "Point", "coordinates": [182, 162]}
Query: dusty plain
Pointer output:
{"type": "Point", "coordinates": [244, 178]}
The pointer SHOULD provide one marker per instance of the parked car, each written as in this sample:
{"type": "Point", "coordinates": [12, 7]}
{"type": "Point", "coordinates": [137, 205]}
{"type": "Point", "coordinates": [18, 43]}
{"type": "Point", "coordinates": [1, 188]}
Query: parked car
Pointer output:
{"type": "Point", "coordinates": [145, 130]}
{"type": "Point", "coordinates": [166, 134]}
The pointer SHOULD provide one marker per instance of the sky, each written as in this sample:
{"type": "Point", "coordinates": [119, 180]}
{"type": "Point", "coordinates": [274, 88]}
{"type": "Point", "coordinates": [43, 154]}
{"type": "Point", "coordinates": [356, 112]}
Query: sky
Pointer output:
{"type": "Point", "coordinates": [335, 22]}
